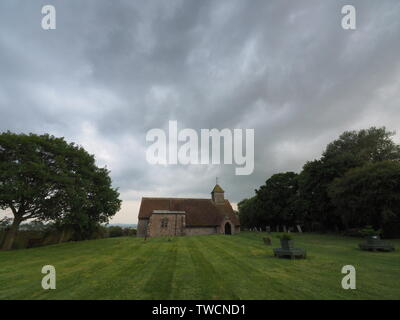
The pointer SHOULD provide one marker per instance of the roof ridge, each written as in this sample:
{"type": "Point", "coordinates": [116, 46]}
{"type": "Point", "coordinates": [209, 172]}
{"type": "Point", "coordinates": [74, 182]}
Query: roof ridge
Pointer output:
{"type": "Point", "coordinates": [198, 211]}
{"type": "Point", "coordinates": [174, 198]}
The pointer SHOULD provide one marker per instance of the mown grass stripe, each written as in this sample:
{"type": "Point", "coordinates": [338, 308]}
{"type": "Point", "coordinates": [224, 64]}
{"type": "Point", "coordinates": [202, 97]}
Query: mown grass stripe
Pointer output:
{"type": "Point", "coordinates": [200, 267]}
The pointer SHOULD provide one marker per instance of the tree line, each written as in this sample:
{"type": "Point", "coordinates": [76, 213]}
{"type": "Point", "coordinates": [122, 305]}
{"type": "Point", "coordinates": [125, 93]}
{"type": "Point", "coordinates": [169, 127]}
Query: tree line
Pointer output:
{"type": "Point", "coordinates": [37, 233]}
{"type": "Point", "coordinates": [356, 183]}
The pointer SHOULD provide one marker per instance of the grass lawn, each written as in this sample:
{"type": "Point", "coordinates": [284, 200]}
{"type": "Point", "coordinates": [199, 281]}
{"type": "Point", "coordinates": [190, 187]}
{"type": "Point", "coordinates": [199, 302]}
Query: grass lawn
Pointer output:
{"type": "Point", "coordinates": [200, 267]}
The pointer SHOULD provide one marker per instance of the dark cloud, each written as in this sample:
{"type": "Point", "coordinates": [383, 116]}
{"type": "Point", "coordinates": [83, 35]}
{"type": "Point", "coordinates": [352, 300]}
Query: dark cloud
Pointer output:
{"type": "Point", "coordinates": [113, 70]}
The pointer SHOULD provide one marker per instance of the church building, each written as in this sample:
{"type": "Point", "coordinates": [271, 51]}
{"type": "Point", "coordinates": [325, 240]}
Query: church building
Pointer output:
{"type": "Point", "coordinates": [186, 216]}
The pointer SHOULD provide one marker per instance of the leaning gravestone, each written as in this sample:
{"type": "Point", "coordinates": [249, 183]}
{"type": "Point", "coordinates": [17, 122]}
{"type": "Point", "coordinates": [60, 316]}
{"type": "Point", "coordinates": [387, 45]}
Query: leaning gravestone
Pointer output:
{"type": "Point", "coordinates": [299, 229]}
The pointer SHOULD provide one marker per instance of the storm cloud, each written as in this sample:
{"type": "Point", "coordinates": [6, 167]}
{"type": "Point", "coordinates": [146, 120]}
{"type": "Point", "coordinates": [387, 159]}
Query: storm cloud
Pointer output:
{"type": "Point", "coordinates": [113, 70]}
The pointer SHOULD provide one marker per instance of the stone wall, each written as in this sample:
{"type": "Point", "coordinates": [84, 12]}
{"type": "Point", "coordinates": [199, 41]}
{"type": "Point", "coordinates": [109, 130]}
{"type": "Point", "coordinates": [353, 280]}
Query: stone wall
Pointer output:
{"type": "Point", "coordinates": [221, 228]}
{"type": "Point", "coordinates": [174, 226]}
{"type": "Point", "coordinates": [142, 227]}
{"type": "Point", "coordinates": [218, 197]}
{"type": "Point", "coordinates": [196, 231]}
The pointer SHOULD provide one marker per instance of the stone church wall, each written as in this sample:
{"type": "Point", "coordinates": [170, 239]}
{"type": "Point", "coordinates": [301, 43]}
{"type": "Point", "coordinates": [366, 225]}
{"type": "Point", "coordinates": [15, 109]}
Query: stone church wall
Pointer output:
{"type": "Point", "coordinates": [142, 227]}
{"type": "Point", "coordinates": [200, 231]}
{"type": "Point", "coordinates": [174, 226]}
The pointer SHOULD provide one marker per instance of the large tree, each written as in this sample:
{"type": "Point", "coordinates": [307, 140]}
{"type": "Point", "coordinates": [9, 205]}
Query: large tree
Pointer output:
{"type": "Point", "coordinates": [351, 150]}
{"type": "Point", "coordinates": [45, 178]}
{"type": "Point", "coordinates": [359, 147]}
{"type": "Point", "coordinates": [275, 203]}
{"type": "Point", "coordinates": [368, 195]}
{"type": "Point", "coordinates": [318, 211]}
{"type": "Point", "coordinates": [249, 213]}
{"type": "Point", "coordinates": [278, 199]}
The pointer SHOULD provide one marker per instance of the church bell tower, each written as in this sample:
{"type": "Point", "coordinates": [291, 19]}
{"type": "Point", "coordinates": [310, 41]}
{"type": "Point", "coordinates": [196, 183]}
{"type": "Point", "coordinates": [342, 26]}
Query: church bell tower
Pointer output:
{"type": "Point", "coordinates": [217, 195]}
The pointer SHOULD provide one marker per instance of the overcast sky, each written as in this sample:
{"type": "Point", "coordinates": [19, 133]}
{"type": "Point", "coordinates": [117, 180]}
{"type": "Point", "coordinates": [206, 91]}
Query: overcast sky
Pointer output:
{"type": "Point", "coordinates": [112, 70]}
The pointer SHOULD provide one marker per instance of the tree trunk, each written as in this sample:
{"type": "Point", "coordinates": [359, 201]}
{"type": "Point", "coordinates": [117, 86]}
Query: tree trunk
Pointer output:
{"type": "Point", "coordinates": [10, 236]}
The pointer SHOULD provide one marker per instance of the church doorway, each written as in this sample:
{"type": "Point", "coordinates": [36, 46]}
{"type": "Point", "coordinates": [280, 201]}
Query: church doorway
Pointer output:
{"type": "Point", "coordinates": [228, 228]}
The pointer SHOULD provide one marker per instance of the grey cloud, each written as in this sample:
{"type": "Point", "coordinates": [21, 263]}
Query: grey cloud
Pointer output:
{"type": "Point", "coordinates": [113, 70]}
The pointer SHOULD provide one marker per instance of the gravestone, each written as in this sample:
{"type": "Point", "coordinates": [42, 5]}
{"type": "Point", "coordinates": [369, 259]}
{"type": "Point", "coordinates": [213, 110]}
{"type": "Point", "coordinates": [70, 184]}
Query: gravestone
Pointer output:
{"type": "Point", "coordinates": [284, 229]}
{"type": "Point", "coordinates": [288, 250]}
{"type": "Point", "coordinates": [268, 229]}
{"type": "Point", "coordinates": [277, 228]}
{"type": "Point", "coordinates": [299, 229]}
{"type": "Point", "coordinates": [376, 244]}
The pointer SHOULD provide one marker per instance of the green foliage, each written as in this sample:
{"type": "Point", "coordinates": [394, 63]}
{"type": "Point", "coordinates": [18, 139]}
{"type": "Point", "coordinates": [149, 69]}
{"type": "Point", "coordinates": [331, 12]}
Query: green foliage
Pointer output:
{"type": "Point", "coordinates": [314, 180]}
{"type": "Point", "coordinates": [278, 200]}
{"type": "Point", "coordinates": [45, 178]}
{"type": "Point", "coordinates": [129, 232]}
{"type": "Point", "coordinates": [369, 231]}
{"type": "Point", "coordinates": [115, 231]}
{"type": "Point", "coordinates": [285, 236]}
{"type": "Point", "coordinates": [248, 212]}
{"type": "Point", "coordinates": [356, 148]}
{"type": "Point", "coordinates": [331, 193]}
{"type": "Point", "coordinates": [36, 234]}
{"type": "Point", "coordinates": [368, 195]}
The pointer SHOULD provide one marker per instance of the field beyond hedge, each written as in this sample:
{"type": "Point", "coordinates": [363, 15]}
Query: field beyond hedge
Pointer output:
{"type": "Point", "coordinates": [200, 267]}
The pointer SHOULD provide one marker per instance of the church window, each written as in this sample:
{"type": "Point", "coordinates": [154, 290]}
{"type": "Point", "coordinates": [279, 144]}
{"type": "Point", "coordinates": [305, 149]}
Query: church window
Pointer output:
{"type": "Point", "coordinates": [164, 222]}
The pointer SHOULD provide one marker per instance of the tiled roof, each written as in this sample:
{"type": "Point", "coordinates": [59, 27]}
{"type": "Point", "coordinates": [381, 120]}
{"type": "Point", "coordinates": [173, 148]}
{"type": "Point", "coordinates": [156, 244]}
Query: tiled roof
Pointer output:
{"type": "Point", "coordinates": [218, 188]}
{"type": "Point", "coordinates": [199, 212]}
